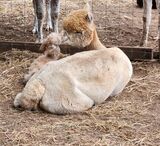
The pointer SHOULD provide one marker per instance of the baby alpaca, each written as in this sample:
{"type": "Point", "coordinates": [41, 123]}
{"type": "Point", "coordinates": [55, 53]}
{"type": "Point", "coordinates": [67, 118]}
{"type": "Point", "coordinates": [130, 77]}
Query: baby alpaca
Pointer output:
{"type": "Point", "coordinates": [50, 47]}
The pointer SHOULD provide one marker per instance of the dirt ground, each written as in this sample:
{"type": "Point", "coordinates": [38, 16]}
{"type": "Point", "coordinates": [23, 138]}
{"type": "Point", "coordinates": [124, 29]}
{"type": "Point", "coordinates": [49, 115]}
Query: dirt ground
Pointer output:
{"type": "Point", "coordinates": [130, 119]}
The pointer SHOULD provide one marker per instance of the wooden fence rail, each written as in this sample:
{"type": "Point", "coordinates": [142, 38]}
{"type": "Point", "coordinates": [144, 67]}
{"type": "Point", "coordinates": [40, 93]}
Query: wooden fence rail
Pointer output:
{"type": "Point", "coordinates": [134, 53]}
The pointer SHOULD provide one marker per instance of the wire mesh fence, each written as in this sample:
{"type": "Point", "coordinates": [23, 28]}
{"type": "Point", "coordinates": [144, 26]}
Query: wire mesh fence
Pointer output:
{"type": "Point", "coordinates": [119, 22]}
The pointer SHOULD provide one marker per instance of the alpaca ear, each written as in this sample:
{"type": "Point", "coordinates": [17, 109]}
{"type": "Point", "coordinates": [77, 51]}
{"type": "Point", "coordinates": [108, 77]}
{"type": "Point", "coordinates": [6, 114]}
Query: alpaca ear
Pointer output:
{"type": "Point", "coordinates": [64, 36]}
{"type": "Point", "coordinates": [88, 5]}
{"type": "Point", "coordinates": [89, 17]}
{"type": "Point", "coordinates": [43, 46]}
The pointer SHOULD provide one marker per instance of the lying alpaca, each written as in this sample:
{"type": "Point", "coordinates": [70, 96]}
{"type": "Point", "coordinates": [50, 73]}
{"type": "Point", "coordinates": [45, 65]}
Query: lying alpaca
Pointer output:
{"type": "Point", "coordinates": [76, 83]}
{"type": "Point", "coordinates": [50, 47]}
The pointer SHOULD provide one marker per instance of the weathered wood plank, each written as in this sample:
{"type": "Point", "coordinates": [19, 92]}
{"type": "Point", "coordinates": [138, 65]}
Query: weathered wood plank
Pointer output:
{"type": "Point", "coordinates": [7, 45]}
{"type": "Point", "coordinates": [134, 53]}
{"type": "Point", "coordinates": [156, 55]}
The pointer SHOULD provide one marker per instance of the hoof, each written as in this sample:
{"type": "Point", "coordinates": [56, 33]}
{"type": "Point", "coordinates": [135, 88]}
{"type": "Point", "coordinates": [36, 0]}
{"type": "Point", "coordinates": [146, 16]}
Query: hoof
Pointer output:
{"type": "Point", "coordinates": [34, 31]}
{"type": "Point", "coordinates": [49, 28]}
{"type": "Point", "coordinates": [39, 41]}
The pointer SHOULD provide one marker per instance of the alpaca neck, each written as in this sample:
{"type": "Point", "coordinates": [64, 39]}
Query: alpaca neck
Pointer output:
{"type": "Point", "coordinates": [95, 43]}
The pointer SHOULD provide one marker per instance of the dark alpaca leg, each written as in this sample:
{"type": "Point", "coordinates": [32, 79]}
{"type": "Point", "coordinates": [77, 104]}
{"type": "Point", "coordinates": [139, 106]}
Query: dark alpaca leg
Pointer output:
{"type": "Point", "coordinates": [140, 3]}
{"type": "Point", "coordinates": [39, 16]}
{"type": "Point", "coordinates": [146, 21]}
{"type": "Point", "coordinates": [55, 7]}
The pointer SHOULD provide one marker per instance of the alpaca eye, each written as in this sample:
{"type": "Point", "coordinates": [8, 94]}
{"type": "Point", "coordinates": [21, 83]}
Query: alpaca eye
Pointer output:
{"type": "Point", "coordinates": [19, 106]}
{"type": "Point", "coordinates": [78, 32]}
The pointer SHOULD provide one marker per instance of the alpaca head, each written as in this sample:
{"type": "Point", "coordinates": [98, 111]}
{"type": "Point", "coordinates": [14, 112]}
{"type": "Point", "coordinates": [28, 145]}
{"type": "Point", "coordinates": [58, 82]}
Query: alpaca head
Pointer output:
{"type": "Point", "coordinates": [79, 27]}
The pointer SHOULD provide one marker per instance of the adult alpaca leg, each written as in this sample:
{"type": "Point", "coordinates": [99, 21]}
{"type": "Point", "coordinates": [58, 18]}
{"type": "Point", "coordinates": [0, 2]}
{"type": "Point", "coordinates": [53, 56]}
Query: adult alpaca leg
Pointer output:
{"type": "Point", "coordinates": [48, 13]}
{"type": "Point", "coordinates": [140, 3]}
{"type": "Point", "coordinates": [35, 30]}
{"type": "Point", "coordinates": [39, 16]}
{"type": "Point", "coordinates": [146, 21]}
{"type": "Point", "coordinates": [55, 7]}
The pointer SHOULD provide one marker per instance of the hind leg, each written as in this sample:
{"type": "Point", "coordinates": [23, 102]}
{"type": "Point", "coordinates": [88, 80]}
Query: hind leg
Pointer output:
{"type": "Point", "coordinates": [120, 87]}
{"type": "Point", "coordinates": [69, 103]}
{"type": "Point", "coordinates": [77, 102]}
{"type": "Point", "coordinates": [117, 91]}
